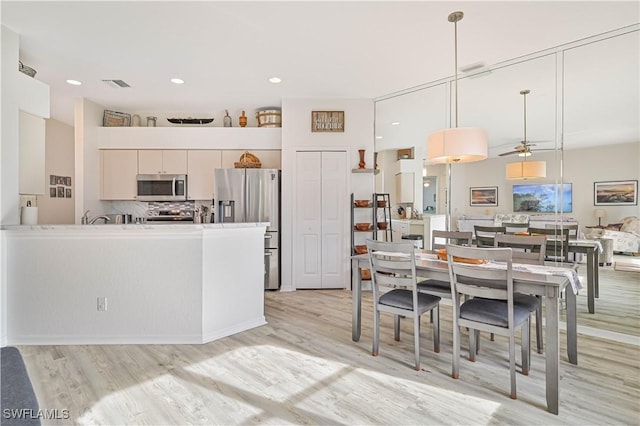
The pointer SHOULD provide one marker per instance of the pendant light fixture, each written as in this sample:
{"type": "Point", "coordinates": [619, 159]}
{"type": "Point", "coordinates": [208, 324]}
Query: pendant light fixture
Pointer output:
{"type": "Point", "coordinates": [523, 170]}
{"type": "Point", "coordinates": [458, 144]}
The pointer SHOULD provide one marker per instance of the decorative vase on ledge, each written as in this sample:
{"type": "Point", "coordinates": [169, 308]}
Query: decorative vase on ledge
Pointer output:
{"type": "Point", "coordinates": [361, 164]}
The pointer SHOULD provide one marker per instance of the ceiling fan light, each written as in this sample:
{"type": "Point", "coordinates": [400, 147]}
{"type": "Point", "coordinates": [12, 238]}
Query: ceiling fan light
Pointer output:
{"type": "Point", "coordinates": [457, 145]}
{"type": "Point", "coordinates": [525, 154]}
{"type": "Point", "coordinates": [523, 170]}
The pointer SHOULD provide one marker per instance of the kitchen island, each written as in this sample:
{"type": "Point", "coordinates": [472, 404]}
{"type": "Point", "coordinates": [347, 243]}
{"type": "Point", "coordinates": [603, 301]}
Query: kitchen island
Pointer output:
{"type": "Point", "coordinates": [118, 284]}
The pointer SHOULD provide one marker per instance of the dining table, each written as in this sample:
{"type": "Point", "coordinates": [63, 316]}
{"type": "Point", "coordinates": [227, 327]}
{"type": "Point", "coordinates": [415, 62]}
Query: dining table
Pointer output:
{"type": "Point", "coordinates": [547, 281]}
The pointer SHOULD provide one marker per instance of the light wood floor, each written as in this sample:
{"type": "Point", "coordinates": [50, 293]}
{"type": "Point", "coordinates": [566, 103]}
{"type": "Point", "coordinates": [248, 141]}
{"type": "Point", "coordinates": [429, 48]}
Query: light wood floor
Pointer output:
{"type": "Point", "coordinates": [303, 368]}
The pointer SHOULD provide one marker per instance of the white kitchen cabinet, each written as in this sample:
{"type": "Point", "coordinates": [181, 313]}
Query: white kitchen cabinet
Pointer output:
{"type": "Point", "coordinates": [200, 176]}
{"type": "Point", "coordinates": [31, 178]}
{"type": "Point", "coordinates": [269, 158]}
{"type": "Point", "coordinates": [119, 168]}
{"type": "Point", "coordinates": [320, 218]}
{"type": "Point", "coordinates": [398, 229]}
{"type": "Point", "coordinates": [171, 161]}
{"type": "Point", "coordinates": [405, 187]}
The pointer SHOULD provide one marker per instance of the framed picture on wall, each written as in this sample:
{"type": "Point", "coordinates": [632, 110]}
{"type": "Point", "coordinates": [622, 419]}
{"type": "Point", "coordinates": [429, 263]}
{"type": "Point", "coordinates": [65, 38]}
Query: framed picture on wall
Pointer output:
{"type": "Point", "coordinates": [484, 196]}
{"type": "Point", "coordinates": [61, 192]}
{"type": "Point", "coordinates": [67, 180]}
{"type": "Point", "coordinates": [53, 192]}
{"type": "Point", "coordinates": [53, 179]}
{"type": "Point", "coordinates": [67, 193]}
{"type": "Point", "coordinates": [615, 193]}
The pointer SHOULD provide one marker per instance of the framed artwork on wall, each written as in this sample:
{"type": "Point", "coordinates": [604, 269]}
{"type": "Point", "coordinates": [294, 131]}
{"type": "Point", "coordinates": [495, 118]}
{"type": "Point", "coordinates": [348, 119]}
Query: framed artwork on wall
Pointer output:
{"type": "Point", "coordinates": [615, 193]}
{"type": "Point", "coordinates": [327, 121]}
{"type": "Point", "coordinates": [484, 196]}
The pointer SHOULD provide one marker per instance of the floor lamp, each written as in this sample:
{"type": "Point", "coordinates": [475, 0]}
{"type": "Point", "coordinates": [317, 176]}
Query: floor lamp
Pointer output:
{"type": "Point", "coordinates": [458, 144]}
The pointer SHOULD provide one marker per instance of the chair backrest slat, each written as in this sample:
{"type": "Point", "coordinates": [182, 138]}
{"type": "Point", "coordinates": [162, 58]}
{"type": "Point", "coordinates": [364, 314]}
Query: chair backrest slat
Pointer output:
{"type": "Point", "coordinates": [526, 248]}
{"type": "Point", "coordinates": [557, 242]}
{"type": "Point", "coordinates": [440, 239]}
{"type": "Point", "coordinates": [395, 266]}
{"type": "Point", "coordinates": [475, 281]}
{"type": "Point", "coordinates": [485, 234]}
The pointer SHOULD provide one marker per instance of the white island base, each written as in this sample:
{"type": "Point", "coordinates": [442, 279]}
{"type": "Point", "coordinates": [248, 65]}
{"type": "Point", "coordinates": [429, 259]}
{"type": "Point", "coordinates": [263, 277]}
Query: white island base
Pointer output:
{"type": "Point", "coordinates": [161, 283]}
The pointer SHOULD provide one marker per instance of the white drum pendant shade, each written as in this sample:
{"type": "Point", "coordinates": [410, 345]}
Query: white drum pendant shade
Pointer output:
{"type": "Point", "coordinates": [457, 145]}
{"type": "Point", "coordinates": [527, 170]}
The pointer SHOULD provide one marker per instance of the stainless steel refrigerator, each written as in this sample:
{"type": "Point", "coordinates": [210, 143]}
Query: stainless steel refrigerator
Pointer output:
{"type": "Point", "coordinates": [253, 195]}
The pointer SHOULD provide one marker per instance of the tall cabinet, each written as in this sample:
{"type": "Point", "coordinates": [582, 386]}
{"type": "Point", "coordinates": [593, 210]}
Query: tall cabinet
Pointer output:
{"type": "Point", "coordinates": [320, 219]}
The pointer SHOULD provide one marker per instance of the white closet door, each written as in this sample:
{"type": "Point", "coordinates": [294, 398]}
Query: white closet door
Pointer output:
{"type": "Point", "coordinates": [319, 252]}
{"type": "Point", "coordinates": [334, 196]}
{"type": "Point", "coordinates": [308, 221]}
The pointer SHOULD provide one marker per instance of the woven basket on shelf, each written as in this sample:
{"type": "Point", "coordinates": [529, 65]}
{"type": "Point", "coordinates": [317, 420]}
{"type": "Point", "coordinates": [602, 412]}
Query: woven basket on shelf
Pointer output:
{"type": "Point", "coordinates": [248, 161]}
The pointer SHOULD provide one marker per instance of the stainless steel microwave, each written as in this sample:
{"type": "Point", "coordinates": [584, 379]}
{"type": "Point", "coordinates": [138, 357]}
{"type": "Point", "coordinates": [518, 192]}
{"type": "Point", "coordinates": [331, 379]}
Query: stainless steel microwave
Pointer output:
{"type": "Point", "coordinates": [162, 187]}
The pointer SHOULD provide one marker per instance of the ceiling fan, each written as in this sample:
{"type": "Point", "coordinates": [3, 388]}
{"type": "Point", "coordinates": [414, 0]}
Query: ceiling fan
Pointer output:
{"type": "Point", "coordinates": [524, 149]}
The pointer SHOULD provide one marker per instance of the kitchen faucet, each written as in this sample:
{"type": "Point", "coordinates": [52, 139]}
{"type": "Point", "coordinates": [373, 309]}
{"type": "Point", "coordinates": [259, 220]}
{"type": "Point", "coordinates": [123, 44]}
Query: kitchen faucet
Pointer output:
{"type": "Point", "coordinates": [86, 221]}
{"type": "Point", "coordinates": [95, 219]}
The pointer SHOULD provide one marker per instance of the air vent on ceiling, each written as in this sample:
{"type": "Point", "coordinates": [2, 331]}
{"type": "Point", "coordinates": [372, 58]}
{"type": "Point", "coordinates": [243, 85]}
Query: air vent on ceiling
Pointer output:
{"type": "Point", "coordinates": [116, 83]}
{"type": "Point", "coordinates": [475, 70]}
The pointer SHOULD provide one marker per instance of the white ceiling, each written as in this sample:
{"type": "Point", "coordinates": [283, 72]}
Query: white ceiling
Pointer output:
{"type": "Point", "coordinates": [226, 51]}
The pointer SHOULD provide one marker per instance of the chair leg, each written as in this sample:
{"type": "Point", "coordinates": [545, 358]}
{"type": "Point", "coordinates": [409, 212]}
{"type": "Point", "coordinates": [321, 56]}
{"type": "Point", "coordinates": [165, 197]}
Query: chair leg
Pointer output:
{"type": "Point", "coordinates": [525, 345]}
{"type": "Point", "coordinates": [416, 339]}
{"type": "Point", "coordinates": [396, 327]}
{"type": "Point", "coordinates": [512, 363]}
{"type": "Point", "coordinates": [539, 340]}
{"type": "Point", "coordinates": [473, 348]}
{"type": "Point", "coordinates": [435, 314]}
{"type": "Point", "coordinates": [455, 363]}
{"type": "Point", "coordinates": [376, 332]}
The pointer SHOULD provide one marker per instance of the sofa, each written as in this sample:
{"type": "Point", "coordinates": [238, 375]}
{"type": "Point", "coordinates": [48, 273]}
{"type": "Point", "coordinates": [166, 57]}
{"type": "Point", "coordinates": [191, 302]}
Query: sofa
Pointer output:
{"type": "Point", "coordinates": [625, 235]}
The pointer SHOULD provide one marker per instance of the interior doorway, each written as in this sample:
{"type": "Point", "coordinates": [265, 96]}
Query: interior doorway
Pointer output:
{"type": "Point", "coordinates": [429, 194]}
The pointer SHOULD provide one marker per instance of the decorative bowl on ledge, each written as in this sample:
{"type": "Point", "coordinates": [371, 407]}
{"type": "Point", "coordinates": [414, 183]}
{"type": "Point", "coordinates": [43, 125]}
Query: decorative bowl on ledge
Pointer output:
{"type": "Point", "coordinates": [361, 203]}
{"type": "Point", "coordinates": [382, 203]}
{"type": "Point", "coordinates": [363, 226]}
{"type": "Point", "coordinates": [360, 249]}
{"type": "Point", "coordinates": [382, 225]}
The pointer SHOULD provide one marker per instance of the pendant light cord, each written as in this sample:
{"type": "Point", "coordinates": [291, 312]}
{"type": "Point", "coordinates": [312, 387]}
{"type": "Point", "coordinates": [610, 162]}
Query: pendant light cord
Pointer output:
{"type": "Point", "coordinates": [455, 50]}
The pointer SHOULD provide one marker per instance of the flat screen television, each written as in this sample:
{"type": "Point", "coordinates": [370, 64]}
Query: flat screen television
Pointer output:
{"type": "Point", "coordinates": [542, 198]}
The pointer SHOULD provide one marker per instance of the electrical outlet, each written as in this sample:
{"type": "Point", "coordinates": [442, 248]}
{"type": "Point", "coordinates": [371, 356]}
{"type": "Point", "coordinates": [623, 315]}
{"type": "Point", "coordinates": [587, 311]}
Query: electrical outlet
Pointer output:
{"type": "Point", "coordinates": [102, 303]}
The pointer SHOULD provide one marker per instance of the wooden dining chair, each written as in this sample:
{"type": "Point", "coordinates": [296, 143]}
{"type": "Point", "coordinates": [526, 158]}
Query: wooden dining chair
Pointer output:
{"type": "Point", "coordinates": [513, 228]}
{"type": "Point", "coordinates": [485, 234]}
{"type": "Point", "coordinates": [557, 242]}
{"type": "Point", "coordinates": [439, 240]}
{"type": "Point", "coordinates": [573, 233]}
{"type": "Point", "coordinates": [398, 272]}
{"type": "Point", "coordinates": [491, 306]}
{"type": "Point", "coordinates": [530, 250]}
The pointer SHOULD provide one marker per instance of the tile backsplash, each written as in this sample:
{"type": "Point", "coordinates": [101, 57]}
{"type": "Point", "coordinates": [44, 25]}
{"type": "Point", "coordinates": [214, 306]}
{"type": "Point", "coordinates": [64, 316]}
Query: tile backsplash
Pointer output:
{"type": "Point", "coordinates": [139, 208]}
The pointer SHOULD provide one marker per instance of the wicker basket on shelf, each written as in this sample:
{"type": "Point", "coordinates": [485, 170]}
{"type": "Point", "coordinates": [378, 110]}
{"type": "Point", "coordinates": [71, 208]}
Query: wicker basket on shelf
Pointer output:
{"type": "Point", "coordinates": [248, 161]}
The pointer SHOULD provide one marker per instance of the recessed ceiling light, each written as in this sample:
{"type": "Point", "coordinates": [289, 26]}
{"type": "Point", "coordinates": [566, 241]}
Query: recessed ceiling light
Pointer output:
{"type": "Point", "coordinates": [378, 137]}
{"type": "Point", "coordinates": [74, 82]}
{"type": "Point", "coordinates": [177, 80]}
{"type": "Point", "coordinates": [275, 80]}
{"type": "Point", "coordinates": [395, 123]}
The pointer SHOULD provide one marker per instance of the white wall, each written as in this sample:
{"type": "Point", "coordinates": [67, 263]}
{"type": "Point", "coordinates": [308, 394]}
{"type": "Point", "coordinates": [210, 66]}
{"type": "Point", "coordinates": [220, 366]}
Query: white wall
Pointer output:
{"type": "Point", "coordinates": [19, 93]}
{"type": "Point", "coordinates": [297, 135]}
{"type": "Point", "coordinates": [59, 161]}
{"type": "Point", "coordinates": [582, 167]}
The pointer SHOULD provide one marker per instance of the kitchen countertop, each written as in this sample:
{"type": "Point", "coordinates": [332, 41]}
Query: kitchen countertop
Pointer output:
{"type": "Point", "coordinates": [132, 227]}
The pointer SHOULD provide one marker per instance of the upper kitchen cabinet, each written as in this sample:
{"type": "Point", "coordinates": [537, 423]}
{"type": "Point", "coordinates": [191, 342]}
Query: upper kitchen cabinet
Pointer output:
{"type": "Point", "coordinates": [200, 174]}
{"type": "Point", "coordinates": [119, 168]}
{"type": "Point", "coordinates": [269, 158]}
{"type": "Point", "coordinates": [32, 153]}
{"type": "Point", "coordinates": [405, 188]}
{"type": "Point", "coordinates": [171, 161]}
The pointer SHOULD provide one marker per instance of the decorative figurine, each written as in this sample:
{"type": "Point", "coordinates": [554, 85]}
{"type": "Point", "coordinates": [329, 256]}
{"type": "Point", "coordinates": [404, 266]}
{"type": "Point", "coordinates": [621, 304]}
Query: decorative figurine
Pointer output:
{"type": "Point", "coordinates": [242, 120]}
{"type": "Point", "coordinates": [226, 121]}
{"type": "Point", "coordinates": [361, 163]}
